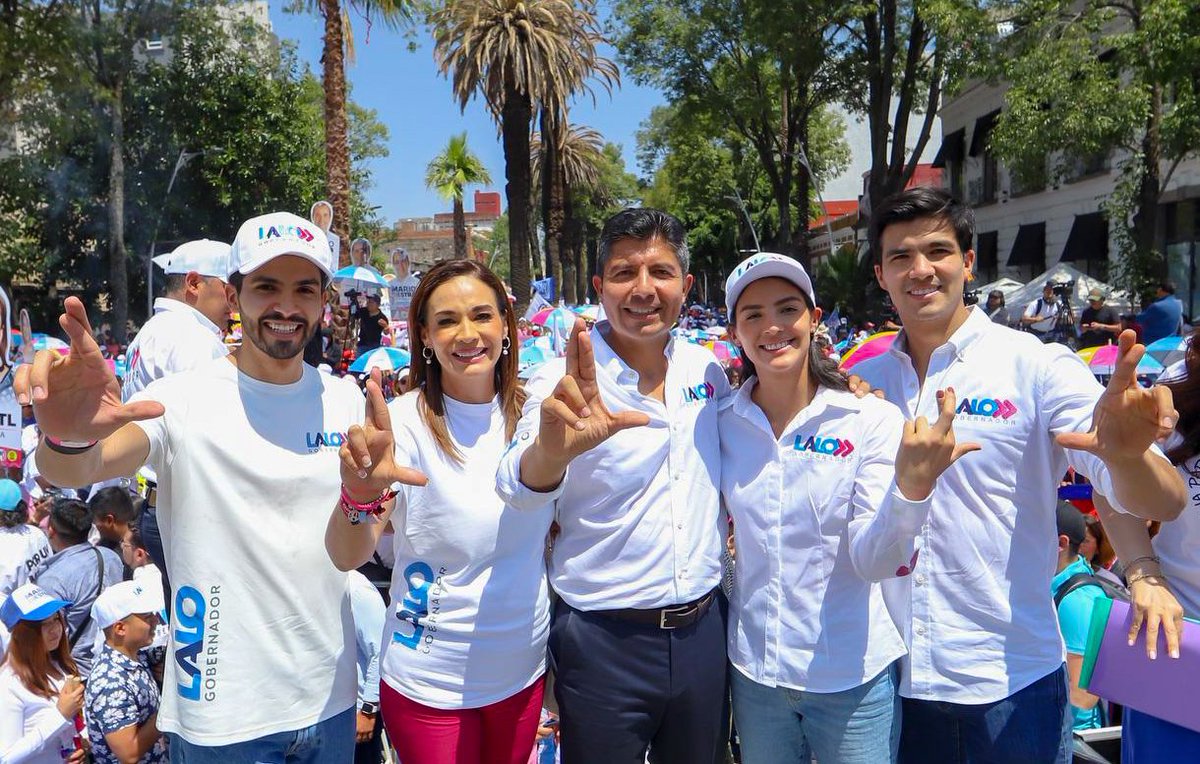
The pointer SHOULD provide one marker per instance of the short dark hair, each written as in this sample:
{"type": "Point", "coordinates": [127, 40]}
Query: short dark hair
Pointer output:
{"type": "Point", "coordinates": [114, 501]}
{"type": "Point", "coordinates": [922, 202]}
{"type": "Point", "coordinates": [237, 278]}
{"type": "Point", "coordinates": [71, 519]}
{"type": "Point", "coordinates": [18, 515]}
{"type": "Point", "coordinates": [135, 538]}
{"type": "Point", "coordinates": [1167, 286]}
{"type": "Point", "coordinates": [174, 282]}
{"type": "Point", "coordinates": [645, 224]}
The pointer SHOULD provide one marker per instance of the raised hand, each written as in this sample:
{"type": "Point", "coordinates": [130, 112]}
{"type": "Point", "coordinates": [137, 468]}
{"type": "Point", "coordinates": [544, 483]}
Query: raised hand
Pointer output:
{"type": "Point", "coordinates": [1128, 417]}
{"type": "Point", "coordinates": [927, 451]}
{"type": "Point", "coordinates": [368, 456]}
{"type": "Point", "coordinates": [574, 418]}
{"type": "Point", "coordinates": [76, 397]}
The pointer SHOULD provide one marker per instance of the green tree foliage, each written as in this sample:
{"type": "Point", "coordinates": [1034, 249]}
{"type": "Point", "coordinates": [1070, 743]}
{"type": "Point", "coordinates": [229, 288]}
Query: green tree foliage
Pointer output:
{"type": "Point", "coordinates": [245, 103]}
{"type": "Point", "coordinates": [449, 173]}
{"type": "Point", "coordinates": [1098, 79]}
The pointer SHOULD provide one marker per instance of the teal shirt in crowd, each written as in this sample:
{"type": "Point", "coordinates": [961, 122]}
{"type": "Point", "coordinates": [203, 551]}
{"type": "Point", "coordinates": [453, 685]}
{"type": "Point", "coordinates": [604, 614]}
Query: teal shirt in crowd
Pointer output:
{"type": "Point", "coordinates": [1074, 620]}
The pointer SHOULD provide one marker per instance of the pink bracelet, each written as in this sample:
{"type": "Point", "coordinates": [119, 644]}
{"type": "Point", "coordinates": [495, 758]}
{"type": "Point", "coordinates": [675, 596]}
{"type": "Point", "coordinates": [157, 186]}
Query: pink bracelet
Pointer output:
{"type": "Point", "coordinates": [357, 512]}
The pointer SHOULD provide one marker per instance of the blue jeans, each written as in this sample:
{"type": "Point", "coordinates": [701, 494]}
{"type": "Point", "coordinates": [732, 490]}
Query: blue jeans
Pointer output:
{"type": "Point", "coordinates": [780, 726]}
{"type": "Point", "coordinates": [1147, 739]}
{"type": "Point", "coordinates": [327, 742]}
{"type": "Point", "coordinates": [1031, 726]}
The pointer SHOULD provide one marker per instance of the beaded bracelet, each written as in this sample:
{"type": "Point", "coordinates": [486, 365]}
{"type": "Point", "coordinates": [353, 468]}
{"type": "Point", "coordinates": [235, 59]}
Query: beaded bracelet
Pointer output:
{"type": "Point", "coordinates": [356, 512]}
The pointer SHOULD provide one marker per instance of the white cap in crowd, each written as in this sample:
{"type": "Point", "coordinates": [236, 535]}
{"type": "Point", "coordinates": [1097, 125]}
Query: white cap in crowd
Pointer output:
{"type": "Point", "coordinates": [204, 256]}
{"type": "Point", "coordinates": [266, 237]}
{"type": "Point", "coordinates": [122, 600]}
{"type": "Point", "coordinates": [765, 265]}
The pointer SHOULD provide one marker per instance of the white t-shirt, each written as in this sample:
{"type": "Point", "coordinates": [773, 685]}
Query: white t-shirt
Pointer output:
{"type": "Point", "coordinates": [469, 611]}
{"type": "Point", "coordinates": [261, 639]}
{"type": "Point", "coordinates": [1178, 543]}
{"type": "Point", "coordinates": [22, 549]}
{"type": "Point", "coordinates": [32, 731]}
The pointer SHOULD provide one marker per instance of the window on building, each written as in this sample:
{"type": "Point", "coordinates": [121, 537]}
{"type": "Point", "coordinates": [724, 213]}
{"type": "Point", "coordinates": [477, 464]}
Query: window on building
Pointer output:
{"type": "Point", "coordinates": [987, 262]}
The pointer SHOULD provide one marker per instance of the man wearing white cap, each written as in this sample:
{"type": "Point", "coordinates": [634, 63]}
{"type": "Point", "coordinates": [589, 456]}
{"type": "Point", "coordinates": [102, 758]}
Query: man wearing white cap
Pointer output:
{"type": "Point", "coordinates": [121, 700]}
{"type": "Point", "coordinates": [246, 451]}
{"type": "Point", "coordinates": [185, 332]}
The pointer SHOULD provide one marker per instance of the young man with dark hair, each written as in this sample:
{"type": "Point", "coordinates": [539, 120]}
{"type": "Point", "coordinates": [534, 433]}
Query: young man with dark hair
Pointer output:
{"type": "Point", "coordinates": [112, 511]}
{"type": "Point", "coordinates": [77, 572]}
{"type": "Point", "coordinates": [984, 678]}
{"type": "Point", "coordinates": [1074, 607]}
{"type": "Point", "coordinates": [246, 452]}
{"type": "Point", "coordinates": [638, 635]}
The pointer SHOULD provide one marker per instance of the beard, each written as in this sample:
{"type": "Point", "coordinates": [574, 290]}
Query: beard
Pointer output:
{"type": "Point", "coordinates": [280, 350]}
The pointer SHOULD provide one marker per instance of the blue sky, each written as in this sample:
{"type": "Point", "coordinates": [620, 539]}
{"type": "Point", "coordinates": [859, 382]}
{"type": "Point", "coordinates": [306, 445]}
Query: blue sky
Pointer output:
{"type": "Point", "coordinates": [416, 104]}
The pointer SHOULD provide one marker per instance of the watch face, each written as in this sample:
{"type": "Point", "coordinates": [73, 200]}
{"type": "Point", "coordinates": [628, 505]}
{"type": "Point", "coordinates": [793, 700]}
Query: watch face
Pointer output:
{"type": "Point", "coordinates": [369, 708]}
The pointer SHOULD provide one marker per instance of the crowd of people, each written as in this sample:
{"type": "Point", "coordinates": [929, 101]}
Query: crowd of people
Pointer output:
{"type": "Point", "coordinates": [616, 557]}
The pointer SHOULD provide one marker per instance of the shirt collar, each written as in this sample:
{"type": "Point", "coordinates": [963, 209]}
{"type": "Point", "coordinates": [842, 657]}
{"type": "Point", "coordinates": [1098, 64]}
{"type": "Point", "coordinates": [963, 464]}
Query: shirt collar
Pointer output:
{"type": "Point", "coordinates": [745, 407]}
{"type": "Point", "coordinates": [608, 360]}
{"type": "Point", "coordinates": [171, 305]}
{"type": "Point", "coordinates": [118, 657]}
{"type": "Point", "coordinates": [973, 328]}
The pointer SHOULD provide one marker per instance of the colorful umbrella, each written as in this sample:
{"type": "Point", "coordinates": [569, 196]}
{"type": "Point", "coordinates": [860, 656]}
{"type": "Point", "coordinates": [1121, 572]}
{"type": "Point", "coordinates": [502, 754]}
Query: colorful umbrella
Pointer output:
{"type": "Point", "coordinates": [359, 277]}
{"type": "Point", "coordinates": [587, 312]}
{"type": "Point", "coordinates": [1087, 353]}
{"type": "Point", "coordinates": [1168, 350]}
{"type": "Point", "coordinates": [46, 342]}
{"type": "Point", "coordinates": [725, 351]}
{"type": "Point", "coordinates": [876, 344]}
{"type": "Point", "coordinates": [559, 324]}
{"type": "Point", "coordinates": [382, 358]}
{"type": "Point", "coordinates": [540, 317]}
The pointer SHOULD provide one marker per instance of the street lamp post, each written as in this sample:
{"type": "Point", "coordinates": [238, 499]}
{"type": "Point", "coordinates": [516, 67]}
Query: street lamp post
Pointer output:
{"type": "Point", "coordinates": [185, 156]}
{"type": "Point", "coordinates": [737, 199]}
{"type": "Point", "coordinates": [803, 158]}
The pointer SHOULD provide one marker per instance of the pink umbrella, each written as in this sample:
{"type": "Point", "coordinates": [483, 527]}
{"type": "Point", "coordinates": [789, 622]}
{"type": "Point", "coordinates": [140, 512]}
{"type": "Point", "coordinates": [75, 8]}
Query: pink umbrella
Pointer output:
{"type": "Point", "coordinates": [1104, 360]}
{"type": "Point", "coordinates": [876, 344]}
{"type": "Point", "coordinates": [725, 351]}
{"type": "Point", "coordinates": [540, 317]}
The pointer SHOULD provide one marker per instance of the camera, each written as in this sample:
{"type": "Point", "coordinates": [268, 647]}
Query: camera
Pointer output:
{"type": "Point", "coordinates": [1063, 288]}
{"type": "Point", "coordinates": [971, 297]}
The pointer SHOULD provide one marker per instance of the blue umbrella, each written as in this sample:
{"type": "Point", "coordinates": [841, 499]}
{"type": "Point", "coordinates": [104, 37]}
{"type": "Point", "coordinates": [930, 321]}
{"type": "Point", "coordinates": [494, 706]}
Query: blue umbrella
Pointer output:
{"type": "Point", "coordinates": [359, 277]}
{"type": "Point", "coordinates": [534, 354]}
{"type": "Point", "coordinates": [383, 358]}
{"type": "Point", "coordinates": [1168, 350]}
{"type": "Point", "coordinates": [559, 323]}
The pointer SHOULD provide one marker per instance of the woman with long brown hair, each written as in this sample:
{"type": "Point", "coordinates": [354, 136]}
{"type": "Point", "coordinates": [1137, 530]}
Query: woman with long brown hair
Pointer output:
{"type": "Point", "coordinates": [464, 644]}
{"type": "Point", "coordinates": [1177, 556]}
{"type": "Point", "coordinates": [40, 696]}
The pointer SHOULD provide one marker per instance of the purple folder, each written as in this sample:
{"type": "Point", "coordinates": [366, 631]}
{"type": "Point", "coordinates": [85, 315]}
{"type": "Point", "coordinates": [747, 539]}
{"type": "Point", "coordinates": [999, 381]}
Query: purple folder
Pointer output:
{"type": "Point", "coordinates": [1113, 670]}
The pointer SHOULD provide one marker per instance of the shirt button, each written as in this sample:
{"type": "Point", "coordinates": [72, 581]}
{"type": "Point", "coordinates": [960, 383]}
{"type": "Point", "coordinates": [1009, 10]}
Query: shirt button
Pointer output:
{"type": "Point", "coordinates": [679, 526]}
{"type": "Point", "coordinates": [920, 579]}
{"type": "Point", "coordinates": [920, 630]}
{"type": "Point", "coordinates": [675, 476]}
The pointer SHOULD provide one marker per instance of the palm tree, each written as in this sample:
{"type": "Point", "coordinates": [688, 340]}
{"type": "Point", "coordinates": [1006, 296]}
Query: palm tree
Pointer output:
{"type": "Point", "coordinates": [517, 54]}
{"type": "Point", "coordinates": [573, 161]}
{"type": "Point", "coordinates": [338, 42]}
{"type": "Point", "coordinates": [449, 173]}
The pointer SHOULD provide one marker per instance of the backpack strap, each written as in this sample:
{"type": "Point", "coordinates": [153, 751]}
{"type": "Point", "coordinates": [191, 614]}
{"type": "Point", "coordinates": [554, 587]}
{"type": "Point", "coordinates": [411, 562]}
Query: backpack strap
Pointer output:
{"type": "Point", "coordinates": [1076, 581]}
{"type": "Point", "coordinates": [87, 618]}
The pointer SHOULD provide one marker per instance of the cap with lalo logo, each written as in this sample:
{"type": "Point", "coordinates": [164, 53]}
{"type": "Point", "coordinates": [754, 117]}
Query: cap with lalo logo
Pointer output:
{"type": "Point", "coordinates": [266, 237]}
{"type": "Point", "coordinates": [29, 603]}
{"type": "Point", "coordinates": [122, 600]}
{"type": "Point", "coordinates": [765, 265]}
{"type": "Point", "coordinates": [204, 256]}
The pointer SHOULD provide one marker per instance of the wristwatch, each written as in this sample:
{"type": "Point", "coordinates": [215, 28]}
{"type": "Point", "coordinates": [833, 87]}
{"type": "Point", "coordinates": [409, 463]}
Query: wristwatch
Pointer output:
{"type": "Point", "coordinates": [369, 708]}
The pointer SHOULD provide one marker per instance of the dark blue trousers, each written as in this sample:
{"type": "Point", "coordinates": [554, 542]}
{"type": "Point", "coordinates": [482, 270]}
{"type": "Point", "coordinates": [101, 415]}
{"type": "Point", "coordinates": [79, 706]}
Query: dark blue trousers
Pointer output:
{"type": "Point", "coordinates": [623, 688]}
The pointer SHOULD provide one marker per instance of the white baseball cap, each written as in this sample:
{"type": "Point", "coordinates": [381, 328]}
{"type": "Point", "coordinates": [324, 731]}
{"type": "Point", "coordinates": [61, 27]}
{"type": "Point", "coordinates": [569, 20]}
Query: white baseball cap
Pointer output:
{"type": "Point", "coordinates": [125, 599]}
{"type": "Point", "coordinates": [266, 237]}
{"type": "Point", "coordinates": [29, 603]}
{"type": "Point", "coordinates": [204, 256]}
{"type": "Point", "coordinates": [765, 265]}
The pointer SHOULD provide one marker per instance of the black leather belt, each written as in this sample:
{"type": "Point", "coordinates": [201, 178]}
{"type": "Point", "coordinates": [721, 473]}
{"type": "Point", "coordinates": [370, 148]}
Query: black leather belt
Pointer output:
{"type": "Point", "coordinates": [671, 617]}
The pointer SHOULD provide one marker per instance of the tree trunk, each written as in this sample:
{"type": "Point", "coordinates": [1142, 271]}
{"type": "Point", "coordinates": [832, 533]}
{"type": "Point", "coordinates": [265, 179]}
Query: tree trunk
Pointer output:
{"type": "Point", "coordinates": [118, 274]}
{"type": "Point", "coordinates": [566, 252]}
{"type": "Point", "coordinates": [1145, 222]}
{"type": "Point", "coordinates": [552, 204]}
{"type": "Point", "coordinates": [515, 119]}
{"type": "Point", "coordinates": [460, 230]}
{"type": "Point", "coordinates": [573, 248]}
{"type": "Point", "coordinates": [337, 150]}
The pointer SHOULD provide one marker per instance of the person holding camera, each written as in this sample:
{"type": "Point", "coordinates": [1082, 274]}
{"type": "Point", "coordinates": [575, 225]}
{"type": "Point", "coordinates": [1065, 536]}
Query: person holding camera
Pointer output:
{"type": "Point", "coordinates": [1098, 322]}
{"type": "Point", "coordinates": [1042, 314]}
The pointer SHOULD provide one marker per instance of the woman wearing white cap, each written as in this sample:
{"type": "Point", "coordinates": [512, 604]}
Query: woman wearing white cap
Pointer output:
{"type": "Point", "coordinates": [464, 646]}
{"type": "Point", "coordinates": [828, 493]}
{"type": "Point", "coordinates": [40, 696]}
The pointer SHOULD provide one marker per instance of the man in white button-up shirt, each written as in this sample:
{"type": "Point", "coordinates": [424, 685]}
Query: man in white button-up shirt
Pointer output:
{"type": "Point", "coordinates": [984, 678]}
{"type": "Point", "coordinates": [622, 436]}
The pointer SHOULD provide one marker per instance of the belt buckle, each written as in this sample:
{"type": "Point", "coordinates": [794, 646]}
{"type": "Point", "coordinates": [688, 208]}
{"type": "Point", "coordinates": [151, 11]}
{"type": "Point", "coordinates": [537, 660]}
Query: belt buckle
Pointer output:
{"type": "Point", "coordinates": [676, 610]}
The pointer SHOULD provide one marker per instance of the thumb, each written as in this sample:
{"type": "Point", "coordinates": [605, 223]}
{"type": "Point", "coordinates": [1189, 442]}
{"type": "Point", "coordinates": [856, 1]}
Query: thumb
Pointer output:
{"type": "Point", "coordinates": [140, 410]}
{"type": "Point", "coordinates": [393, 472]}
{"type": "Point", "coordinates": [962, 449]}
{"type": "Point", "coordinates": [624, 420]}
{"type": "Point", "coordinates": [1077, 441]}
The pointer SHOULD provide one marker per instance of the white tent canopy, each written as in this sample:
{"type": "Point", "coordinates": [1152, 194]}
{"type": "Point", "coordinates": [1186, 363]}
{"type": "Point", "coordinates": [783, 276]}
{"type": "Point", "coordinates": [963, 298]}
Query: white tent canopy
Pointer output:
{"type": "Point", "coordinates": [1006, 286]}
{"type": "Point", "coordinates": [1061, 273]}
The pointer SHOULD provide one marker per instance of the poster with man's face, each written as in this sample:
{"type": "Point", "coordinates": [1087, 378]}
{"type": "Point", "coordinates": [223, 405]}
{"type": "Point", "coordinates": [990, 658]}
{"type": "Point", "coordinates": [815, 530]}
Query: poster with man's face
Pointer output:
{"type": "Point", "coordinates": [400, 263]}
{"type": "Point", "coordinates": [321, 215]}
{"type": "Point", "coordinates": [401, 288]}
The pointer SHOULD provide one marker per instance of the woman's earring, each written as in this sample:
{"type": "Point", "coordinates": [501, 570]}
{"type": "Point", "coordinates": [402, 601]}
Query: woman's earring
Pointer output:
{"type": "Point", "coordinates": [427, 353]}
{"type": "Point", "coordinates": [505, 346]}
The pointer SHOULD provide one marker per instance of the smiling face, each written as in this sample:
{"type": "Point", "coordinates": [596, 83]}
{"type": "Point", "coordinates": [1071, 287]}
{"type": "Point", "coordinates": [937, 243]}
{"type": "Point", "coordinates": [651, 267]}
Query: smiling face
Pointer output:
{"type": "Point", "coordinates": [923, 270]}
{"type": "Point", "coordinates": [281, 306]}
{"type": "Point", "coordinates": [465, 327]}
{"type": "Point", "coordinates": [322, 216]}
{"type": "Point", "coordinates": [773, 326]}
{"type": "Point", "coordinates": [642, 288]}
{"type": "Point", "coordinates": [52, 631]}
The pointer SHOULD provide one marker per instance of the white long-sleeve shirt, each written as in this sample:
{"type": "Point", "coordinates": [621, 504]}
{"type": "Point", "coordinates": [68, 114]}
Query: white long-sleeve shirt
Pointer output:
{"type": "Point", "coordinates": [32, 731]}
{"type": "Point", "coordinates": [816, 518]}
{"type": "Point", "coordinates": [977, 614]}
{"type": "Point", "coordinates": [369, 611]}
{"type": "Point", "coordinates": [639, 514]}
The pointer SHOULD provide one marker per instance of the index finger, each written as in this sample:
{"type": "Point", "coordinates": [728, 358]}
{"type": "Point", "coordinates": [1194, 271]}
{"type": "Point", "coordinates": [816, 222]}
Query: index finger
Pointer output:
{"type": "Point", "coordinates": [377, 409]}
{"type": "Point", "coordinates": [577, 330]}
{"type": "Point", "coordinates": [74, 322]}
{"type": "Point", "coordinates": [586, 364]}
{"type": "Point", "coordinates": [1129, 354]}
{"type": "Point", "coordinates": [945, 418]}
